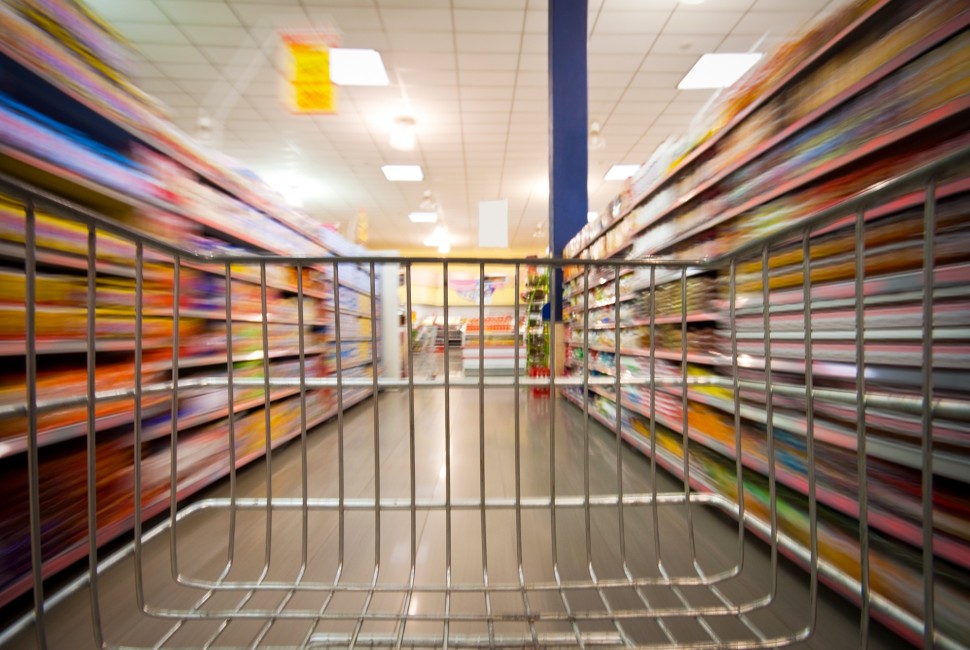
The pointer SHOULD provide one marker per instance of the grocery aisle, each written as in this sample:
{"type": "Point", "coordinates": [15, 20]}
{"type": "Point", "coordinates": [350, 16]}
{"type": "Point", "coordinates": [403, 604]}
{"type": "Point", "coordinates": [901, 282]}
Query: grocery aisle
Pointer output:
{"type": "Point", "coordinates": [201, 541]}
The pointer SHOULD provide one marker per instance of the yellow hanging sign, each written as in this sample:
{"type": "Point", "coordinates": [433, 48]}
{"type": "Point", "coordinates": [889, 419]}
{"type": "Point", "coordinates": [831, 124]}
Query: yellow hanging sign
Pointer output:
{"type": "Point", "coordinates": [309, 88]}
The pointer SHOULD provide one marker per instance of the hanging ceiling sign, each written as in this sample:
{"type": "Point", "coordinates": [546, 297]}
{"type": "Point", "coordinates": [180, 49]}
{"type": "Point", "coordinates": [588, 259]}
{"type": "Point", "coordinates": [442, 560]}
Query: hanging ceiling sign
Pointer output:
{"type": "Point", "coordinates": [308, 88]}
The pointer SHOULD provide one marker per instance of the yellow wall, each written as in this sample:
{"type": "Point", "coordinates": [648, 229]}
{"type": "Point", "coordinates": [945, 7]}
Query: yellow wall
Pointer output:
{"type": "Point", "coordinates": [427, 286]}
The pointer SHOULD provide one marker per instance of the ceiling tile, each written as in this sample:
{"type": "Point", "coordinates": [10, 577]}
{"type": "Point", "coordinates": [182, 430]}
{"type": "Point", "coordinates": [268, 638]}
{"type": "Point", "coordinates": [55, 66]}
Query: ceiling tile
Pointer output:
{"type": "Point", "coordinates": [685, 44]}
{"type": "Point", "coordinates": [189, 71]}
{"type": "Point", "coordinates": [609, 79]}
{"type": "Point", "coordinates": [533, 62]}
{"type": "Point", "coordinates": [656, 62]}
{"type": "Point", "coordinates": [417, 20]}
{"type": "Point", "coordinates": [140, 33]}
{"type": "Point", "coordinates": [613, 62]}
{"type": "Point", "coordinates": [272, 16]}
{"type": "Point", "coordinates": [421, 61]}
{"type": "Point", "coordinates": [172, 53]}
{"type": "Point", "coordinates": [156, 86]}
{"type": "Point", "coordinates": [199, 13]}
{"type": "Point", "coordinates": [484, 78]}
{"type": "Point", "coordinates": [218, 35]}
{"type": "Point", "coordinates": [498, 43]}
{"type": "Point", "coordinates": [656, 80]}
{"type": "Point", "coordinates": [695, 23]}
{"type": "Point", "coordinates": [786, 5]}
{"type": "Point", "coordinates": [140, 11]}
{"type": "Point", "coordinates": [411, 41]}
{"type": "Point", "coordinates": [490, 61]}
{"type": "Point", "coordinates": [776, 23]}
{"type": "Point", "coordinates": [540, 79]}
{"type": "Point", "coordinates": [630, 22]}
{"type": "Point", "coordinates": [497, 21]}
{"type": "Point", "coordinates": [536, 21]}
{"type": "Point", "coordinates": [535, 43]}
{"type": "Point", "coordinates": [620, 43]}
{"type": "Point", "coordinates": [426, 78]}
{"type": "Point", "coordinates": [346, 18]}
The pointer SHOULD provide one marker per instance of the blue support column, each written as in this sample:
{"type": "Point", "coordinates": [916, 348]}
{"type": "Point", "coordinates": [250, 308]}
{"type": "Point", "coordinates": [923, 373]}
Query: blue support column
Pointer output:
{"type": "Point", "coordinates": [568, 118]}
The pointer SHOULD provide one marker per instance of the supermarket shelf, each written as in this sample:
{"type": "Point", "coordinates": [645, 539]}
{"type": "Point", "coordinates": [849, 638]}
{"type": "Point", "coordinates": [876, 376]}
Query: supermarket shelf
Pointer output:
{"type": "Point", "coordinates": [356, 339]}
{"type": "Point", "coordinates": [594, 282]}
{"type": "Point", "coordinates": [18, 445]}
{"type": "Point", "coordinates": [67, 260]}
{"type": "Point", "coordinates": [354, 312]}
{"type": "Point", "coordinates": [347, 365]}
{"type": "Point", "coordinates": [943, 545]}
{"type": "Point", "coordinates": [901, 59]}
{"type": "Point", "coordinates": [833, 576]}
{"type": "Point", "coordinates": [900, 334]}
{"type": "Point", "coordinates": [605, 302]}
{"type": "Point", "coordinates": [71, 346]}
{"type": "Point", "coordinates": [945, 463]}
{"type": "Point", "coordinates": [187, 488]}
{"type": "Point", "coordinates": [873, 146]}
{"type": "Point", "coordinates": [143, 203]}
{"type": "Point", "coordinates": [82, 77]}
{"type": "Point", "coordinates": [950, 282]}
{"type": "Point", "coordinates": [700, 317]}
{"type": "Point", "coordinates": [702, 148]}
{"type": "Point", "coordinates": [692, 357]}
{"type": "Point", "coordinates": [220, 270]}
{"type": "Point", "coordinates": [219, 314]}
{"type": "Point", "coordinates": [213, 358]}
{"type": "Point", "coordinates": [185, 422]}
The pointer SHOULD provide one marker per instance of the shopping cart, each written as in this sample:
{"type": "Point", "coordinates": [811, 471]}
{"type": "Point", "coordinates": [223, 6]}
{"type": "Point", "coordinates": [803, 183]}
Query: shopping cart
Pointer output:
{"type": "Point", "coordinates": [457, 512]}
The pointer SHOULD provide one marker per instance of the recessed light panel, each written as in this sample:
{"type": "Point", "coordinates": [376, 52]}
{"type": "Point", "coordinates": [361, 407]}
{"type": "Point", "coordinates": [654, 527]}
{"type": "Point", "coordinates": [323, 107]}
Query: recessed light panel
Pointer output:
{"type": "Point", "coordinates": [352, 67]}
{"type": "Point", "coordinates": [718, 70]}
{"type": "Point", "coordinates": [423, 217]}
{"type": "Point", "coordinates": [403, 172]}
{"type": "Point", "coordinates": [621, 172]}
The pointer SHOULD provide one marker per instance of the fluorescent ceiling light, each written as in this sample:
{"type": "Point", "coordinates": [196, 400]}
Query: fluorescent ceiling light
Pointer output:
{"type": "Point", "coordinates": [350, 67]}
{"type": "Point", "coordinates": [438, 238]}
{"type": "Point", "coordinates": [403, 172]}
{"type": "Point", "coordinates": [402, 134]}
{"type": "Point", "coordinates": [621, 172]}
{"type": "Point", "coordinates": [718, 70]}
{"type": "Point", "coordinates": [423, 217]}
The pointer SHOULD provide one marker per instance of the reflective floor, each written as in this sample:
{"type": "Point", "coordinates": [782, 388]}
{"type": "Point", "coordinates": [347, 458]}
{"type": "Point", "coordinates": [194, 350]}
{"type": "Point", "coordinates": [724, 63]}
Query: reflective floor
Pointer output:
{"type": "Point", "coordinates": [366, 548]}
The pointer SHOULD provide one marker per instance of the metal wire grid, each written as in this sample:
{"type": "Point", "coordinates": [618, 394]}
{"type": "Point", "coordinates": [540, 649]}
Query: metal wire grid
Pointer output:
{"type": "Point", "coordinates": [593, 608]}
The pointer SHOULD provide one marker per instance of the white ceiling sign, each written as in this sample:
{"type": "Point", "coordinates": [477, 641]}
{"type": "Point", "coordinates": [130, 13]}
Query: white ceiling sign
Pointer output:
{"type": "Point", "coordinates": [493, 224]}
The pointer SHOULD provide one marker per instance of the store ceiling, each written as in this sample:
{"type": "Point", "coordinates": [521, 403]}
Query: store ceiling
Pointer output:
{"type": "Point", "coordinates": [472, 73]}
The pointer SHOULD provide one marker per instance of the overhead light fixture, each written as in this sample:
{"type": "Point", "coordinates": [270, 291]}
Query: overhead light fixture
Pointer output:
{"type": "Point", "coordinates": [427, 203]}
{"type": "Point", "coordinates": [621, 172]}
{"type": "Point", "coordinates": [353, 67]}
{"type": "Point", "coordinates": [596, 139]}
{"type": "Point", "coordinates": [423, 217]}
{"type": "Point", "coordinates": [444, 248]}
{"type": "Point", "coordinates": [403, 172]}
{"type": "Point", "coordinates": [294, 188]}
{"type": "Point", "coordinates": [438, 238]}
{"type": "Point", "coordinates": [403, 134]}
{"type": "Point", "coordinates": [592, 216]}
{"type": "Point", "coordinates": [718, 70]}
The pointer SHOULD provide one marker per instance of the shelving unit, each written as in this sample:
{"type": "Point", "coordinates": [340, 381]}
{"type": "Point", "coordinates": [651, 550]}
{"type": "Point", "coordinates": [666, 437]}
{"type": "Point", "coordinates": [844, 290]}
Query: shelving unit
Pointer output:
{"type": "Point", "coordinates": [82, 132]}
{"type": "Point", "coordinates": [497, 356]}
{"type": "Point", "coordinates": [836, 310]}
{"type": "Point", "coordinates": [535, 297]}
